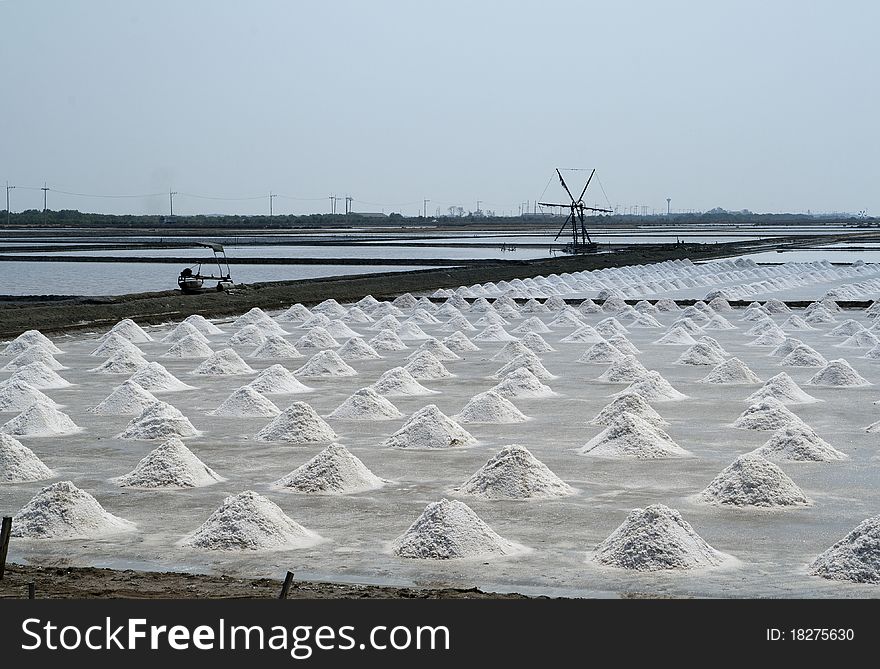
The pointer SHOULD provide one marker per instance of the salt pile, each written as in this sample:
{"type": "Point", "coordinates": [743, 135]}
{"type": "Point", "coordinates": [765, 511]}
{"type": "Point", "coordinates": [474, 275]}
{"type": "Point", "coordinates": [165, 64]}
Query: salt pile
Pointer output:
{"type": "Point", "coordinates": [316, 321]}
{"type": "Point", "coordinates": [656, 538]}
{"type": "Point", "coordinates": [767, 414]}
{"type": "Point", "coordinates": [610, 326]}
{"type": "Point", "coordinates": [719, 323]}
{"type": "Point", "coordinates": [565, 319]}
{"type": "Point", "coordinates": [251, 316]}
{"type": "Point", "coordinates": [40, 420]}
{"type": "Point", "coordinates": [170, 465]}
{"type": "Point", "coordinates": [654, 388]}
{"type": "Point", "coordinates": [330, 308]}
{"type": "Point", "coordinates": [451, 530]}
{"type": "Point", "coordinates": [246, 402]}
{"type": "Point", "coordinates": [622, 344]}
{"type": "Point", "coordinates": [326, 363]}
{"type": "Point", "coordinates": [626, 370]}
{"type": "Point", "coordinates": [275, 347]}
{"type": "Point", "coordinates": [677, 336]}
{"type": "Point", "coordinates": [423, 366]}
{"type": "Point", "coordinates": [398, 382]}
{"type": "Point", "coordinates": [366, 404]}
{"type": "Point", "coordinates": [430, 428]}
{"type": "Point", "coordinates": [183, 330]}
{"type": "Point", "coordinates": [19, 464]}
{"type": "Point", "coordinates": [583, 335]}
{"type": "Point", "coordinates": [667, 304]}
{"type": "Point", "coordinates": [122, 362]}
{"type": "Point", "coordinates": [856, 557]}
{"type": "Point", "coordinates": [799, 443]}
{"type": "Point", "coordinates": [783, 388]}
{"type": "Point", "coordinates": [628, 403]}
{"type": "Point", "coordinates": [130, 330]}
{"type": "Point", "coordinates": [155, 378]}
{"type": "Point", "coordinates": [30, 338]}
{"type": "Point", "coordinates": [532, 306]}
{"type": "Point", "coordinates": [838, 374]}
{"type": "Point", "coordinates": [530, 362]}
{"type": "Point", "coordinates": [338, 329]}
{"type": "Point", "coordinates": [250, 522]}
{"type": "Point", "coordinates": [411, 332]}
{"type": "Point", "coordinates": [629, 436]}
{"type": "Point", "coordinates": [459, 342]}
{"type": "Point", "coordinates": [601, 353]}
{"type": "Point", "coordinates": [357, 349]}
{"type": "Point", "coordinates": [203, 325]}
{"type": "Point", "coordinates": [129, 399]}
{"type": "Point", "coordinates": [846, 329]}
{"type": "Point", "coordinates": [589, 307]}
{"type": "Point", "coordinates": [357, 315]}
{"type": "Point", "coordinates": [752, 480]}
{"type": "Point", "coordinates": [514, 473]}
{"type": "Point", "coordinates": [387, 340]}
{"type": "Point", "coordinates": [112, 344]}
{"type": "Point", "coordinates": [225, 362]}
{"type": "Point", "coordinates": [160, 420]}
{"type": "Point", "coordinates": [804, 356]}
{"type": "Point", "coordinates": [511, 350]}
{"type": "Point", "coordinates": [522, 383]}
{"type": "Point", "coordinates": [491, 318]}
{"type": "Point", "coordinates": [40, 377]}
{"type": "Point", "coordinates": [35, 353]}
{"type": "Point", "coordinates": [333, 471]}
{"type": "Point", "coordinates": [316, 338]}
{"type": "Point", "coordinates": [862, 339]}
{"type": "Point", "coordinates": [490, 407]}
{"type": "Point", "coordinates": [731, 372]}
{"type": "Point", "coordinates": [276, 380]}
{"type": "Point", "coordinates": [536, 343]}
{"type": "Point", "coordinates": [795, 322]}
{"type": "Point", "coordinates": [298, 424]}
{"type": "Point", "coordinates": [63, 511]}
{"type": "Point", "coordinates": [786, 347]}
{"type": "Point", "coordinates": [494, 333]}
{"type": "Point", "coordinates": [18, 395]}
{"type": "Point", "coordinates": [768, 339]}
{"type": "Point", "coordinates": [700, 354]}
{"type": "Point", "coordinates": [438, 349]}
{"type": "Point", "coordinates": [189, 348]}
{"type": "Point", "coordinates": [388, 322]}
{"type": "Point", "coordinates": [407, 301]}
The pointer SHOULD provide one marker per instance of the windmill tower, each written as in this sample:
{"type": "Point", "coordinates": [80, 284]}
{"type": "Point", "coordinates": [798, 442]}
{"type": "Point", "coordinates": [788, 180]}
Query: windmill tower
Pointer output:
{"type": "Point", "coordinates": [580, 239]}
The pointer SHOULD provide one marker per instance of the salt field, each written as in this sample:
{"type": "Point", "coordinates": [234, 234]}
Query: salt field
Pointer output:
{"type": "Point", "coordinates": [578, 435]}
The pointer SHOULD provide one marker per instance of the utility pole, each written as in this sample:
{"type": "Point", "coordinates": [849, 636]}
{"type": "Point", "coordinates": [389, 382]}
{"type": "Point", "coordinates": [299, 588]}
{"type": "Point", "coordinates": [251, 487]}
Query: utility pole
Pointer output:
{"type": "Point", "coordinates": [272, 196]}
{"type": "Point", "coordinates": [171, 194]}
{"type": "Point", "coordinates": [8, 188]}
{"type": "Point", "coordinates": [333, 199]}
{"type": "Point", "coordinates": [45, 190]}
{"type": "Point", "coordinates": [479, 202]}
{"type": "Point", "coordinates": [425, 204]}
{"type": "Point", "coordinates": [349, 200]}
{"type": "Point", "coordinates": [668, 202]}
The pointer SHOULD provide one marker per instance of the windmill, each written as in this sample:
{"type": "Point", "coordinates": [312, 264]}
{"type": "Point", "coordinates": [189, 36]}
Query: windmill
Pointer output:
{"type": "Point", "coordinates": [581, 242]}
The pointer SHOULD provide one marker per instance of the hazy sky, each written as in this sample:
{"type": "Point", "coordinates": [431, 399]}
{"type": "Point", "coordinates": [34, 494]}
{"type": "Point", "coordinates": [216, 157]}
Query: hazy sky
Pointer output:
{"type": "Point", "coordinates": [766, 105]}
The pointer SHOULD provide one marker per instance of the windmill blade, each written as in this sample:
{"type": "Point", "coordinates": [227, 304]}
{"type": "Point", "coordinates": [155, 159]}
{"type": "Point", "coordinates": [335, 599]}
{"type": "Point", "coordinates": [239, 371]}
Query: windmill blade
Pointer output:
{"type": "Point", "coordinates": [553, 204]}
{"type": "Point", "coordinates": [567, 219]}
{"type": "Point", "coordinates": [587, 185]}
{"type": "Point", "coordinates": [604, 211]}
{"type": "Point", "coordinates": [562, 181]}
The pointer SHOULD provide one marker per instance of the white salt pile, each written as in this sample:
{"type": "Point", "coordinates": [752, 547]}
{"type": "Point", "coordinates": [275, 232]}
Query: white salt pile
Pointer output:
{"type": "Point", "coordinates": [676, 336]}
{"type": "Point", "coordinates": [423, 366]}
{"type": "Point", "coordinates": [490, 407]}
{"type": "Point", "coordinates": [622, 344]}
{"type": "Point", "coordinates": [330, 308]}
{"type": "Point", "coordinates": [583, 335]}
{"type": "Point", "coordinates": [667, 304]}
{"type": "Point", "coordinates": [731, 372]}
{"type": "Point", "coordinates": [522, 383]}
{"type": "Point", "coordinates": [365, 404]}
{"type": "Point", "coordinates": [316, 321]}
{"type": "Point", "coordinates": [35, 353]}
{"type": "Point", "coordinates": [767, 414]}
{"type": "Point", "coordinates": [19, 464]}
{"type": "Point", "coordinates": [786, 347]}
{"type": "Point", "coordinates": [438, 349]}
{"type": "Point", "coordinates": [430, 428]}
{"type": "Point", "coordinates": [250, 522]}
{"type": "Point", "coordinates": [387, 340]}
{"type": "Point", "coordinates": [752, 480]}
{"type": "Point", "coordinates": [338, 329]}
{"type": "Point", "coordinates": [18, 395]}
{"type": "Point", "coordinates": [862, 339]}
{"type": "Point", "coordinates": [625, 370]}
{"type": "Point", "coordinates": [459, 342]}
{"type": "Point", "coordinates": [783, 388]}
{"type": "Point", "coordinates": [357, 349]}
{"type": "Point", "coordinates": [654, 388]}
{"type": "Point", "coordinates": [846, 329]}
{"type": "Point", "coordinates": [112, 344]}
{"type": "Point", "coordinates": [656, 538]}
{"type": "Point", "coordinates": [121, 362]}
{"type": "Point", "coordinates": [276, 380]}
{"type": "Point", "coordinates": [398, 382]}
{"type": "Point", "coordinates": [698, 354]}
{"type": "Point", "coordinates": [494, 333]}
{"type": "Point", "coordinates": [411, 332]}
{"type": "Point", "coordinates": [795, 322]}
{"type": "Point", "coordinates": [610, 326]}
{"type": "Point", "coordinates": [491, 318]}
{"type": "Point", "coordinates": [130, 330]}
{"type": "Point", "coordinates": [602, 353]}
{"type": "Point", "coordinates": [246, 402]}
{"type": "Point", "coordinates": [856, 557]}
{"type": "Point", "coordinates": [838, 374]}
{"type": "Point", "coordinates": [514, 473]}
{"type": "Point", "coordinates": [30, 338]}
{"type": "Point", "coordinates": [160, 420]}
{"type": "Point", "coordinates": [388, 322]}
{"type": "Point", "coordinates": [251, 316]}
{"type": "Point", "coordinates": [357, 315]}
{"type": "Point", "coordinates": [170, 465]}
{"type": "Point", "coordinates": [129, 399]}
{"type": "Point", "coordinates": [407, 301]}
{"type": "Point", "coordinates": [333, 471]}
{"type": "Point", "coordinates": [316, 338]}
{"type": "Point", "coordinates": [326, 363]}
{"type": "Point", "coordinates": [298, 424]}
{"type": "Point", "coordinates": [275, 347]}
{"type": "Point", "coordinates": [804, 356]}
{"type": "Point", "coordinates": [536, 343]}
{"type": "Point", "coordinates": [630, 436]}
{"type": "Point", "coordinates": [63, 511]}
{"type": "Point", "coordinates": [40, 420]}
{"type": "Point", "coordinates": [225, 362]}
{"type": "Point", "coordinates": [451, 530]}
{"type": "Point", "coordinates": [203, 325]}
{"type": "Point", "coordinates": [532, 306]}
{"type": "Point", "coordinates": [189, 348]}
{"type": "Point", "coordinates": [768, 339]}
{"type": "Point", "coordinates": [183, 330]}
{"type": "Point", "coordinates": [530, 362]}
{"type": "Point", "coordinates": [511, 350]}
{"type": "Point", "coordinates": [533, 324]}
{"type": "Point", "coordinates": [155, 378]}
{"type": "Point", "coordinates": [565, 319]}
{"type": "Point", "coordinates": [40, 377]}
{"type": "Point", "coordinates": [628, 403]}
{"type": "Point", "coordinates": [718, 322]}
{"type": "Point", "coordinates": [799, 443]}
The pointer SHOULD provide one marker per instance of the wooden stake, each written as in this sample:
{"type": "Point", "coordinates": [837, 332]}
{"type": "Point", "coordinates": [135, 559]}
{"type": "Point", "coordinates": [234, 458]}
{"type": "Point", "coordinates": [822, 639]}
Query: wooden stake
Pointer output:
{"type": "Point", "coordinates": [5, 533]}
{"type": "Point", "coordinates": [288, 580]}
{"type": "Point", "coordinates": [32, 590]}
